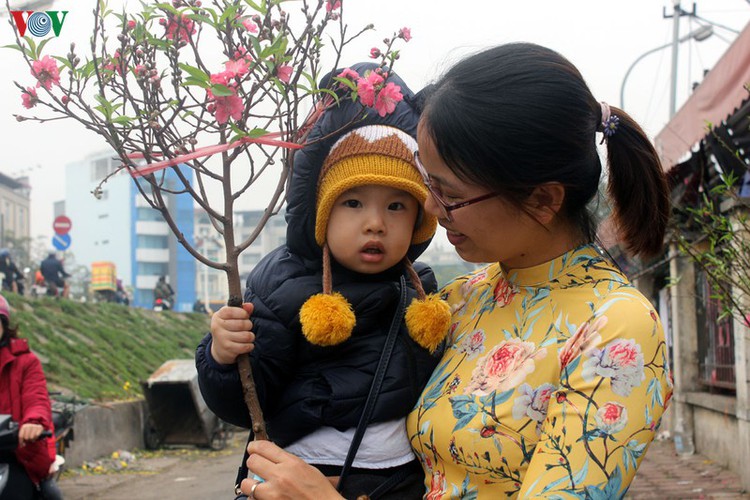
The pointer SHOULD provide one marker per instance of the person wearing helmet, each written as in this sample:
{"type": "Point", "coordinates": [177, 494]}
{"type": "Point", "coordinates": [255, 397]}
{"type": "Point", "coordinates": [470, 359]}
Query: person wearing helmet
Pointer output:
{"type": "Point", "coordinates": [12, 279]}
{"type": "Point", "coordinates": [54, 274]}
{"type": "Point", "coordinates": [23, 396]}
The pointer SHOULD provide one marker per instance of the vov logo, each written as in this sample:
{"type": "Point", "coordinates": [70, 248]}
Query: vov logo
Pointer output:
{"type": "Point", "coordinates": [39, 23]}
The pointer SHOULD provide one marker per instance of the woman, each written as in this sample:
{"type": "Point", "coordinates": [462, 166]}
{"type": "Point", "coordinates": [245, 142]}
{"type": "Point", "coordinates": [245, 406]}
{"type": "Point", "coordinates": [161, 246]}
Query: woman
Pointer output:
{"type": "Point", "coordinates": [23, 396]}
{"type": "Point", "coordinates": [556, 376]}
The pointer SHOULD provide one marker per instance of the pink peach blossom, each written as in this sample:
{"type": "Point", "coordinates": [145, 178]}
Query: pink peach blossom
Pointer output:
{"type": "Point", "coordinates": [367, 86]}
{"type": "Point", "coordinates": [348, 73]}
{"type": "Point", "coordinates": [180, 29]}
{"type": "Point", "coordinates": [237, 67]}
{"type": "Point", "coordinates": [387, 98]}
{"type": "Point", "coordinates": [46, 72]}
{"type": "Point", "coordinates": [332, 5]}
{"type": "Point", "coordinates": [374, 53]}
{"type": "Point", "coordinates": [250, 26]}
{"type": "Point", "coordinates": [131, 24]}
{"type": "Point", "coordinates": [228, 106]}
{"type": "Point", "coordinates": [405, 33]}
{"type": "Point", "coordinates": [284, 73]}
{"type": "Point", "coordinates": [29, 98]}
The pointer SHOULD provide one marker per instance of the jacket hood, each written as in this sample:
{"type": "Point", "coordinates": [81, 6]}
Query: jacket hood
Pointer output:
{"type": "Point", "coordinates": [308, 161]}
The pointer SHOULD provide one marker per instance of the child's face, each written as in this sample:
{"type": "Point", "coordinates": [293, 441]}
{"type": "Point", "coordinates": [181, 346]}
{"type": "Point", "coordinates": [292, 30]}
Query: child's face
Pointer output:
{"type": "Point", "coordinates": [370, 227]}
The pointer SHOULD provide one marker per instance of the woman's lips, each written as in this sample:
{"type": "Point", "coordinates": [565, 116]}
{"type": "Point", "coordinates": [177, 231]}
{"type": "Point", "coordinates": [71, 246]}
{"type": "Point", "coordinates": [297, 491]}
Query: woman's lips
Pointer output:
{"type": "Point", "coordinates": [455, 239]}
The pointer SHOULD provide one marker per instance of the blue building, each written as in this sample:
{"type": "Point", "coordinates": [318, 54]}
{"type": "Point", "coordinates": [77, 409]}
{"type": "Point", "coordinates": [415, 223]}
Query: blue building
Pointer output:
{"type": "Point", "coordinates": [121, 227]}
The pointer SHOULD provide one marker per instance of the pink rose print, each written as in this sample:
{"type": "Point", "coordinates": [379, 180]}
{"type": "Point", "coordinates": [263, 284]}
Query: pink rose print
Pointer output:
{"type": "Point", "coordinates": [437, 486]}
{"type": "Point", "coordinates": [504, 292]}
{"type": "Point", "coordinates": [533, 403]}
{"type": "Point", "coordinates": [504, 367]}
{"type": "Point", "coordinates": [466, 287]}
{"type": "Point", "coordinates": [621, 361]}
{"type": "Point", "coordinates": [472, 344]}
{"type": "Point", "coordinates": [585, 339]}
{"type": "Point", "coordinates": [611, 418]}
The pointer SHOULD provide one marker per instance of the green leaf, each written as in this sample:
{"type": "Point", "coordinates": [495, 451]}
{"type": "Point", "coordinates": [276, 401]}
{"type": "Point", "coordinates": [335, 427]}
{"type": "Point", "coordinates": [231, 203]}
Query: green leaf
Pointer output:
{"type": "Point", "coordinates": [221, 90]}
{"type": "Point", "coordinates": [194, 72]}
{"type": "Point", "coordinates": [32, 47]}
{"type": "Point", "coordinates": [14, 46]}
{"type": "Point", "coordinates": [192, 81]}
{"type": "Point", "coordinates": [258, 8]}
{"type": "Point", "coordinates": [64, 61]}
{"type": "Point", "coordinates": [256, 132]}
{"type": "Point", "coordinates": [122, 120]}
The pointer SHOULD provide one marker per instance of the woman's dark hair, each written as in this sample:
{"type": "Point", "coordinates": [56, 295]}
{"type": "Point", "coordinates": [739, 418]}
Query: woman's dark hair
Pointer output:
{"type": "Point", "coordinates": [520, 115]}
{"type": "Point", "coordinates": [8, 332]}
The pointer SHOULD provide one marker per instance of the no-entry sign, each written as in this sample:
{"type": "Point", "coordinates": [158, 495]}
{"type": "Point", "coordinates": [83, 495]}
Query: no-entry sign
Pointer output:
{"type": "Point", "coordinates": [61, 225]}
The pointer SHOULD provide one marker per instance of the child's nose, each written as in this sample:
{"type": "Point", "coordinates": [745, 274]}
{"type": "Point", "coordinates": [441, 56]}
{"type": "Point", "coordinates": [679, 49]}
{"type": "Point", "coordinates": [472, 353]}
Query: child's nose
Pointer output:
{"type": "Point", "coordinates": [375, 222]}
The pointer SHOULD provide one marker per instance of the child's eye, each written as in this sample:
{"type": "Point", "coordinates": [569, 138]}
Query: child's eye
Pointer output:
{"type": "Point", "coordinates": [396, 205]}
{"type": "Point", "coordinates": [352, 203]}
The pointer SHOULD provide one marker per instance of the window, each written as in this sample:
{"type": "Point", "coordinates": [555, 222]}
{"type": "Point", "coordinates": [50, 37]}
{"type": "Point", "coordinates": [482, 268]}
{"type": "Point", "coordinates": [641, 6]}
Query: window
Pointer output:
{"type": "Point", "coordinates": [716, 341]}
{"type": "Point", "coordinates": [152, 241]}
{"type": "Point", "coordinates": [153, 268]}
{"type": "Point", "coordinates": [148, 214]}
{"type": "Point", "coordinates": [102, 167]}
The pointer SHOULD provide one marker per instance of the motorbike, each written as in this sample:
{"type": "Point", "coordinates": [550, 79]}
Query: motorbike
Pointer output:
{"type": "Point", "coordinates": [8, 443]}
{"type": "Point", "coordinates": [162, 304]}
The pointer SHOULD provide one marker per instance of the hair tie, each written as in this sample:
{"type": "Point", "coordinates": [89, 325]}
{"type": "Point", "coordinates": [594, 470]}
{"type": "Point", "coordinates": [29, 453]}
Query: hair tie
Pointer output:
{"type": "Point", "coordinates": [609, 122]}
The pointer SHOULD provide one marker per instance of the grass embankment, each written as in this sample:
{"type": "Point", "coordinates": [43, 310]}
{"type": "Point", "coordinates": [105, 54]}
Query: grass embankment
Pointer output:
{"type": "Point", "coordinates": [103, 351]}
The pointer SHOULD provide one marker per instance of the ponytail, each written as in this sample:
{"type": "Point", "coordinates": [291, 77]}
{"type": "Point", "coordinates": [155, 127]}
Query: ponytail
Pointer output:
{"type": "Point", "coordinates": [637, 187]}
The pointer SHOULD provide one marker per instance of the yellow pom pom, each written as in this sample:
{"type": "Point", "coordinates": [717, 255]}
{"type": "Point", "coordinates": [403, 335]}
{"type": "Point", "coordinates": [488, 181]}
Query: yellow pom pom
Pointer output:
{"type": "Point", "coordinates": [428, 321]}
{"type": "Point", "coordinates": [327, 319]}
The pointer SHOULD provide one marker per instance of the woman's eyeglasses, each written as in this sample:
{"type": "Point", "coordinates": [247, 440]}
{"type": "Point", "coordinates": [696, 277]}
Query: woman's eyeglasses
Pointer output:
{"type": "Point", "coordinates": [445, 208]}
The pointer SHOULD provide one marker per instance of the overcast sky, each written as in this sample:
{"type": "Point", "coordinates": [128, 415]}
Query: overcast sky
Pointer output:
{"type": "Point", "coordinates": [602, 37]}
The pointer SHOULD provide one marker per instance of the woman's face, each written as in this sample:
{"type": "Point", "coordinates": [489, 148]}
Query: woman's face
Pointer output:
{"type": "Point", "coordinates": [492, 230]}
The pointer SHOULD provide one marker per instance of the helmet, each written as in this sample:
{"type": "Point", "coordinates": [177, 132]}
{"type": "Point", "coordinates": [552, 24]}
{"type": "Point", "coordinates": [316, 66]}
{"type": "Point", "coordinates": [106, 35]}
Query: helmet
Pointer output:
{"type": "Point", "coordinates": [4, 252]}
{"type": "Point", "coordinates": [4, 308]}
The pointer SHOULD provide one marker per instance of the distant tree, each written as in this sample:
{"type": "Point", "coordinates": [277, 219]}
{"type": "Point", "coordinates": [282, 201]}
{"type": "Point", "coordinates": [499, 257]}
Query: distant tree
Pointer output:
{"type": "Point", "coordinates": [175, 84]}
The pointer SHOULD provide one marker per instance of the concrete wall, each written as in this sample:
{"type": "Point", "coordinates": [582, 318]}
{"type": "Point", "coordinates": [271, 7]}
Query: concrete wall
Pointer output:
{"type": "Point", "coordinates": [716, 429]}
{"type": "Point", "coordinates": [99, 430]}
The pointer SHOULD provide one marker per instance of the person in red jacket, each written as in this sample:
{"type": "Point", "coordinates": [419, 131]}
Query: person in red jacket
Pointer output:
{"type": "Point", "coordinates": [24, 396]}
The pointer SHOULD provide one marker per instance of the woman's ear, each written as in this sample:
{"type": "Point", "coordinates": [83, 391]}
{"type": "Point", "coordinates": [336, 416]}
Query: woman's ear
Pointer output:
{"type": "Point", "coordinates": [545, 201]}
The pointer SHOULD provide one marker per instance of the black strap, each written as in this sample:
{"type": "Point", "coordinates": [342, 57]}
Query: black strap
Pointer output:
{"type": "Point", "coordinates": [377, 382]}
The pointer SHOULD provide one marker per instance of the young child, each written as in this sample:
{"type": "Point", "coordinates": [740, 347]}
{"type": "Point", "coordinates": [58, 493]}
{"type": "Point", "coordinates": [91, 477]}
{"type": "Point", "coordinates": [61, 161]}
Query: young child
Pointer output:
{"type": "Point", "coordinates": [321, 315]}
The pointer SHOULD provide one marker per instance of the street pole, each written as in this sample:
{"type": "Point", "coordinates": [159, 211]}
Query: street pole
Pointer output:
{"type": "Point", "coordinates": [677, 13]}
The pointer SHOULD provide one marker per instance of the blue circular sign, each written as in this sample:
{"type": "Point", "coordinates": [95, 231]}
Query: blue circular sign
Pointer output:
{"type": "Point", "coordinates": [39, 24]}
{"type": "Point", "coordinates": [61, 241]}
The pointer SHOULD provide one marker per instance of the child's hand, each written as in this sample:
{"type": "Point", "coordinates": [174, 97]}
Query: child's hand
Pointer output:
{"type": "Point", "coordinates": [231, 332]}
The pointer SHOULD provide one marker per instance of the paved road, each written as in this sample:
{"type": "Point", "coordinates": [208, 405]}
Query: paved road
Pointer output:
{"type": "Point", "coordinates": [199, 474]}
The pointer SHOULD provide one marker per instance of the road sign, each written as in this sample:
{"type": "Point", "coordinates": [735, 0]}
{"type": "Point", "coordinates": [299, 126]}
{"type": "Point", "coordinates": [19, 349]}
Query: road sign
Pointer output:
{"type": "Point", "coordinates": [61, 225]}
{"type": "Point", "coordinates": [61, 241]}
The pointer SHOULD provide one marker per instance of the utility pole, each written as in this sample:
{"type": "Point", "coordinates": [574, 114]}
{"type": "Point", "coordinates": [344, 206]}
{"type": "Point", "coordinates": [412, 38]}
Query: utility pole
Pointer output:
{"type": "Point", "coordinates": [676, 15]}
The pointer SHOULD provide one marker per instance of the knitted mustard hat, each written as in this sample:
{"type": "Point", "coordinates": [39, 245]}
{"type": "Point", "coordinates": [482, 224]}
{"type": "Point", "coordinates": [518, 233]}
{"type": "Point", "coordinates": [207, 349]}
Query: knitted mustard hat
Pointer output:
{"type": "Point", "coordinates": [375, 154]}
{"type": "Point", "coordinates": [380, 155]}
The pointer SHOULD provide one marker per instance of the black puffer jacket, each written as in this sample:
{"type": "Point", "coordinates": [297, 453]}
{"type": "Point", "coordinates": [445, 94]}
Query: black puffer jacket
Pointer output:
{"type": "Point", "coordinates": [303, 386]}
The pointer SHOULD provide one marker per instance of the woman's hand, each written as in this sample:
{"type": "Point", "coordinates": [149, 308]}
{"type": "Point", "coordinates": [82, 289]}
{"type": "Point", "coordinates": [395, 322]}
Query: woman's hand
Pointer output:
{"type": "Point", "coordinates": [231, 333]}
{"type": "Point", "coordinates": [28, 433]}
{"type": "Point", "coordinates": [286, 476]}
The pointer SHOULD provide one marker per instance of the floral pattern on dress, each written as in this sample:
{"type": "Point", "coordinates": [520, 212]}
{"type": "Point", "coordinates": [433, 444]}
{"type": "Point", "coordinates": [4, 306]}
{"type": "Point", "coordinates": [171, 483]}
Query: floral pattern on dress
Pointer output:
{"type": "Point", "coordinates": [553, 387]}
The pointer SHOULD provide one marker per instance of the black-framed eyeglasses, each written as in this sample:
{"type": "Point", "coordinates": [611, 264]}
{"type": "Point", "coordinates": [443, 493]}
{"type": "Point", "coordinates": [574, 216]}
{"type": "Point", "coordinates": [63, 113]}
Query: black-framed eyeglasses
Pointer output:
{"type": "Point", "coordinates": [446, 208]}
